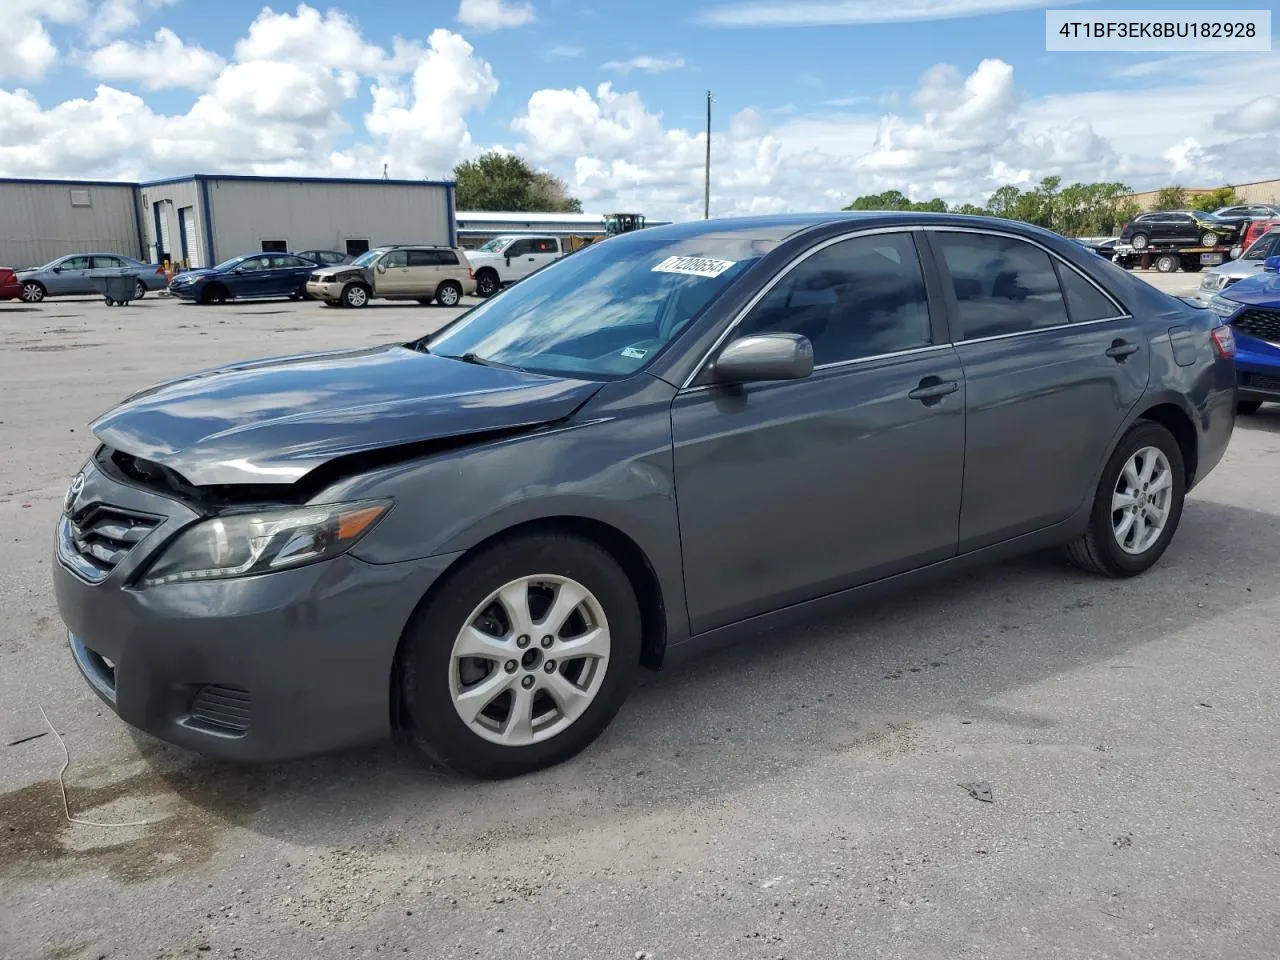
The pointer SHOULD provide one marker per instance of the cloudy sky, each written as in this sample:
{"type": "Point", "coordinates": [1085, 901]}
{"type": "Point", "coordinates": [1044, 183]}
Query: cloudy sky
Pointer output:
{"type": "Point", "coordinates": [816, 101]}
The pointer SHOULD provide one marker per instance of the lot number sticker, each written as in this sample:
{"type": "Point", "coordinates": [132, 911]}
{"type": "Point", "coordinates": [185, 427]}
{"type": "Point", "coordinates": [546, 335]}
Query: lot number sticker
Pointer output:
{"type": "Point", "coordinates": [694, 266]}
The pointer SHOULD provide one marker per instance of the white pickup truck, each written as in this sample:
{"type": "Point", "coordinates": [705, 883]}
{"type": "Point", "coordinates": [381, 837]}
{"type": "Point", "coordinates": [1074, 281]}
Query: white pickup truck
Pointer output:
{"type": "Point", "coordinates": [509, 258]}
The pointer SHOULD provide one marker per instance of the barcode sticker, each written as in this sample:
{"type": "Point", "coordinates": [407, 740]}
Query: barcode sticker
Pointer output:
{"type": "Point", "coordinates": [694, 266]}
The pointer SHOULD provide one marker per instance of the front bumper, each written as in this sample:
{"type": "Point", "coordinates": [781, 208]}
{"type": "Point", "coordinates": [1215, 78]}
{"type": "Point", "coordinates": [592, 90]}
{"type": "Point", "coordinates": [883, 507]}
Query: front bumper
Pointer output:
{"type": "Point", "coordinates": [270, 667]}
{"type": "Point", "coordinates": [1257, 369]}
{"type": "Point", "coordinates": [186, 291]}
{"type": "Point", "coordinates": [324, 291]}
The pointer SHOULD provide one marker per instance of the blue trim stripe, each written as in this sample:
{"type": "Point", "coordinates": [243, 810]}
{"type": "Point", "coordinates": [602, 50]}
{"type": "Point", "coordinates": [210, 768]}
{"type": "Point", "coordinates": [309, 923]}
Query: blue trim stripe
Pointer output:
{"type": "Point", "coordinates": [66, 183]}
{"type": "Point", "coordinates": [241, 178]}
{"type": "Point", "coordinates": [453, 219]}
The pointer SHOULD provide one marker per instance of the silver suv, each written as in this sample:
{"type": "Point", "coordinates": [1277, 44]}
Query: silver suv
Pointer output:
{"type": "Point", "coordinates": [401, 272]}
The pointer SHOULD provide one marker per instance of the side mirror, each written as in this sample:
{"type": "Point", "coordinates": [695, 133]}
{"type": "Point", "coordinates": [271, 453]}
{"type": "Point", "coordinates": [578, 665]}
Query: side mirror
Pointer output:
{"type": "Point", "coordinates": [57, 269]}
{"type": "Point", "coordinates": [1272, 264]}
{"type": "Point", "coordinates": [381, 267]}
{"type": "Point", "coordinates": [508, 259]}
{"type": "Point", "coordinates": [767, 356]}
{"type": "Point", "coordinates": [238, 270]}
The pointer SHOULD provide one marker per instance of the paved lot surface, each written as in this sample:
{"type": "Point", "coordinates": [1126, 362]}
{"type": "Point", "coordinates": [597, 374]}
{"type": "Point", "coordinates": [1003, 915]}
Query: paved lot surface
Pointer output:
{"type": "Point", "coordinates": [796, 798]}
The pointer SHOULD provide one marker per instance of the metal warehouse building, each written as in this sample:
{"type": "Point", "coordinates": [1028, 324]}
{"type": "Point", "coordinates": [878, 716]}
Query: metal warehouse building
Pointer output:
{"type": "Point", "coordinates": [475, 229]}
{"type": "Point", "coordinates": [202, 219]}
{"type": "Point", "coordinates": [44, 219]}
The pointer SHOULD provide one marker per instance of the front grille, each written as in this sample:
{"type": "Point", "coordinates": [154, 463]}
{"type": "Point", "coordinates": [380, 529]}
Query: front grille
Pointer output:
{"type": "Point", "coordinates": [224, 708]}
{"type": "Point", "coordinates": [1260, 323]}
{"type": "Point", "coordinates": [1260, 381]}
{"type": "Point", "coordinates": [103, 536]}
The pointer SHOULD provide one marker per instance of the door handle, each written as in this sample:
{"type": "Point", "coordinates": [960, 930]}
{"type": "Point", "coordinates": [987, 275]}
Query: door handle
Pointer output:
{"type": "Point", "coordinates": [932, 390]}
{"type": "Point", "coordinates": [1121, 350]}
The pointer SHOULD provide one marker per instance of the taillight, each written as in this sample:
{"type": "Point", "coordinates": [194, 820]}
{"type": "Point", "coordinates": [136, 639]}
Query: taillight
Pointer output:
{"type": "Point", "coordinates": [471, 274]}
{"type": "Point", "coordinates": [1224, 341]}
{"type": "Point", "coordinates": [159, 268]}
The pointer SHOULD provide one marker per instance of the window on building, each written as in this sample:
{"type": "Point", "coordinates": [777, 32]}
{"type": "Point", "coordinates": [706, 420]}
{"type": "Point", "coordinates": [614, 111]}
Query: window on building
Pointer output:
{"type": "Point", "coordinates": [1002, 285]}
{"type": "Point", "coordinates": [860, 297]}
{"type": "Point", "coordinates": [81, 198]}
{"type": "Point", "coordinates": [356, 246]}
{"type": "Point", "coordinates": [275, 246]}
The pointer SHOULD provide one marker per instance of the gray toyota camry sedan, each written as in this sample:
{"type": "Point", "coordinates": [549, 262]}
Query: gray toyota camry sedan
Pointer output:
{"type": "Point", "coordinates": [673, 437]}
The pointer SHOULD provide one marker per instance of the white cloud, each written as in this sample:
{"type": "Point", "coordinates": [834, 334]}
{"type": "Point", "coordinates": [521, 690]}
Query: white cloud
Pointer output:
{"type": "Point", "coordinates": [112, 17]}
{"type": "Point", "coordinates": [808, 13]}
{"type": "Point", "coordinates": [1260, 115]}
{"type": "Point", "coordinates": [645, 64]}
{"type": "Point", "coordinates": [494, 14]}
{"type": "Point", "coordinates": [27, 50]}
{"type": "Point", "coordinates": [332, 40]}
{"type": "Point", "coordinates": [563, 53]}
{"type": "Point", "coordinates": [162, 62]}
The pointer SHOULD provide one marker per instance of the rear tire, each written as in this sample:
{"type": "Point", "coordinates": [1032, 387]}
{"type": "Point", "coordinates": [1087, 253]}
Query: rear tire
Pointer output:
{"type": "Point", "coordinates": [1101, 549]}
{"type": "Point", "coordinates": [487, 283]}
{"type": "Point", "coordinates": [1247, 408]}
{"type": "Point", "coordinates": [1209, 239]}
{"type": "Point", "coordinates": [1139, 241]}
{"type": "Point", "coordinates": [449, 294]}
{"type": "Point", "coordinates": [1166, 263]}
{"type": "Point", "coordinates": [566, 707]}
{"type": "Point", "coordinates": [139, 290]}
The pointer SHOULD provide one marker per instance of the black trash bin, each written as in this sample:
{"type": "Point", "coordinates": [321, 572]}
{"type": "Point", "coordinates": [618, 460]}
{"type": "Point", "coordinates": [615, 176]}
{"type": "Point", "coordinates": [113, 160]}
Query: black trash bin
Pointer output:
{"type": "Point", "coordinates": [117, 289]}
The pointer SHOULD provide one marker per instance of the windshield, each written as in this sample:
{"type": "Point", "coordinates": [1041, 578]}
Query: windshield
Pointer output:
{"type": "Point", "coordinates": [494, 245]}
{"type": "Point", "coordinates": [1261, 248]}
{"type": "Point", "coordinates": [604, 312]}
{"type": "Point", "coordinates": [366, 258]}
{"type": "Point", "coordinates": [228, 264]}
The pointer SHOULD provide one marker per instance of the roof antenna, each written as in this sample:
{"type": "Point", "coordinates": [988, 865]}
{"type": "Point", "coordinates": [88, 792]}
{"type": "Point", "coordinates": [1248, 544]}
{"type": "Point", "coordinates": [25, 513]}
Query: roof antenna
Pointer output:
{"type": "Point", "coordinates": [384, 172]}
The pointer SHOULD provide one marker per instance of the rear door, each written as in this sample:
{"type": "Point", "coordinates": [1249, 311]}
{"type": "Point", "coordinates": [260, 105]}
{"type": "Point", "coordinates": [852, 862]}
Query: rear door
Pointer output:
{"type": "Point", "coordinates": [545, 250]}
{"type": "Point", "coordinates": [292, 273]}
{"type": "Point", "coordinates": [1052, 366]}
{"type": "Point", "coordinates": [425, 272]}
{"type": "Point", "coordinates": [103, 267]}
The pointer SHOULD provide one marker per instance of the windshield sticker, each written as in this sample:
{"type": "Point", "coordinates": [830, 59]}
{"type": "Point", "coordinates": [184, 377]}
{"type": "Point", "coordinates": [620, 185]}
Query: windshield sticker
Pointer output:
{"type": "Point", "coordinates": [634, 353]}
{"type": "Point", "coordinates": [694, 266]}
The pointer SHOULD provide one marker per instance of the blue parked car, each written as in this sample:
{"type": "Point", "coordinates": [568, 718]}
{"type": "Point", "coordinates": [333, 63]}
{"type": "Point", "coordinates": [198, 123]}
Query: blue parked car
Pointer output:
{"type": "Point", "coordinates": [75, 276]}
{"type": "Point", "coordinates": [248, 277]}
{"type": "Point", "coordinates": [1252, 308]}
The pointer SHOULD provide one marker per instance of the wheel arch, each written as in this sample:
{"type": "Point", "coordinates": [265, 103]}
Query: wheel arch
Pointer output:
{"type": "Point", "coordinates": [622, 548]}
{"type": "Point", "coordinates": [1179, 423]}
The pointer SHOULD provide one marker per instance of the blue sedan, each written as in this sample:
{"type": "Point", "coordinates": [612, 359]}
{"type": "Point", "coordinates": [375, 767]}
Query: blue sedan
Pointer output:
{"type": "Point", "coordinates": [1252, 308]}
{"type": "Point", "coordinates": [76, 276]}
{"type": "Point", "coordinates": [249, 277]}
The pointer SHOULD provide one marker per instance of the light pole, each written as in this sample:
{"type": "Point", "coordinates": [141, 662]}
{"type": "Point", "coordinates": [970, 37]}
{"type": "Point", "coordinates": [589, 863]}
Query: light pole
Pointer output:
{"type": "Point", "coordinates": [706, 187]}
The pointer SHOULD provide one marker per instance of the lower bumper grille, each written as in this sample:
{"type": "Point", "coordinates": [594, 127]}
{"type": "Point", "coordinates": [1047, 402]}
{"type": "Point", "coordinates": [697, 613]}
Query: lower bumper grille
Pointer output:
{"type": "Point", "coordinates": [223, 708]}
{"type": "Point", "coordinates": [1260, 381]}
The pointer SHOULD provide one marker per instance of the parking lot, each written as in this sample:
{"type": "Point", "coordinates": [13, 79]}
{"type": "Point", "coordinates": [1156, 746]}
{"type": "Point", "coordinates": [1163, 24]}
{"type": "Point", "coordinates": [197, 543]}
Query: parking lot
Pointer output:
{"type": "Point", "coordinates": [796, 797]}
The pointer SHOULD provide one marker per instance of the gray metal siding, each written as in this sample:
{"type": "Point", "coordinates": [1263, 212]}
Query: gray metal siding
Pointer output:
{"type": "Point", "coordinates": [324, 215]}
{"type": "Point", "coordinates": [168, 199]}
{"type": "Point", "coordinates": [38, 222]}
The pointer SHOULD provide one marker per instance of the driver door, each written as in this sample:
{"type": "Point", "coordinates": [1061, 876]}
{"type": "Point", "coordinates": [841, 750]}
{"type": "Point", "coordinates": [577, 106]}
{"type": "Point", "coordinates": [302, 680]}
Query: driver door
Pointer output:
{"type": "Point", "coordinates": [72, 277]}
{"type": "Point", "coordinates": [787, 491]}
{"type": "Point", "coordinates": [521, 258]}
{"type": "Point", "coordinates": [392, 276]}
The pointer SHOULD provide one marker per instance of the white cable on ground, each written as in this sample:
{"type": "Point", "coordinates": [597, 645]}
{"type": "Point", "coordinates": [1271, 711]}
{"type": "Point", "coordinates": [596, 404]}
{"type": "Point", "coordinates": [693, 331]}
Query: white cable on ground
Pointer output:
{"type": "Point", "coordinates": [66, 762]}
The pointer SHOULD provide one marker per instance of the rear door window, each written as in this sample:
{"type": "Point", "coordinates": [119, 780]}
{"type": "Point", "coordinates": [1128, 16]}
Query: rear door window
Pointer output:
{"type": "Point", "coordinates": [421, 258]}
{"type": "Point", "coordinates": [1085, 301]}
{"type": "Point", "coordinates": [1002, 285]}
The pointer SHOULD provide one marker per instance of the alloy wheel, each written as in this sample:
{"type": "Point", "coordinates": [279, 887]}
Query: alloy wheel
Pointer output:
{"type": "Point", "coordinates": [1141, 501]}
{"type": "Point", "coordinates": [529, 660]}
{"type": "Point", "coordinates": [32, 292]}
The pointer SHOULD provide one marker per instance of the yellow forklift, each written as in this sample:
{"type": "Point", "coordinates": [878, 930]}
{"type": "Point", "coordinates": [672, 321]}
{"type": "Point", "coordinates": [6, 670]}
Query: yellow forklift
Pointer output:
{"type": "Point", "coordinates": [614, 224]}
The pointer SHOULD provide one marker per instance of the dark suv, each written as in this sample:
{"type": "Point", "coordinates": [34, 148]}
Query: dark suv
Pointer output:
{"type": "Point", "coordinates": [1178, 227]}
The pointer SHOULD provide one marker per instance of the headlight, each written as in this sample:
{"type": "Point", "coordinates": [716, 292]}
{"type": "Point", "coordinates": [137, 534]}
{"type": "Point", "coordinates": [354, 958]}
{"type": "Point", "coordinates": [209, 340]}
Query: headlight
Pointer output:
{"type": "Point", "coordinates": [240, 544]}
{"type": "Point", "coordinates": [1223, 307]}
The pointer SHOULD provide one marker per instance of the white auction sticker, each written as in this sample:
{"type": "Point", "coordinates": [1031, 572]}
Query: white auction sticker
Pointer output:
{"type": "Point", "coordinates": [694, 266]}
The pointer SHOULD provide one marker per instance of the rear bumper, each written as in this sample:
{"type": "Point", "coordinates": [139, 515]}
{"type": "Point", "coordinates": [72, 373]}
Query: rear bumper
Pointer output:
{"type": "Point", "coordinates": [10, 291]}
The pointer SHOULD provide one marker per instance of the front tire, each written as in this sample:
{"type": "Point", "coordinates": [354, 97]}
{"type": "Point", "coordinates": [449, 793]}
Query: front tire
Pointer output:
{"type": "Point", "coordinates": [214, 293]}
{"type": "Point", "coordinates": [523, 658]}
{"type": "Point", "coordinates": [1136, 507]}
{"type": "Point", "coordinates": [355, 295]}
{"type": "Point", "coordinates": [1247, 408]}
{"type": "Point", "coordinates": [32, 292]}
{"type": "Point", "coordinates": [1167, 263]}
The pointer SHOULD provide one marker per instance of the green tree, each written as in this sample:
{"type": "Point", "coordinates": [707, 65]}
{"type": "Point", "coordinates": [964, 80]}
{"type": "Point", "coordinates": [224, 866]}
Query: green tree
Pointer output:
{"type": "Point", "coordinates": [1222, 197]}
{"type": "Point", "coordinates": [897, 200]}
{"type": "Point", "coordinates": [503, 181]}
{"type": "Point", "coordinates": [971, 209]}
{"type": "Point", "coordinates": [1171, 198]}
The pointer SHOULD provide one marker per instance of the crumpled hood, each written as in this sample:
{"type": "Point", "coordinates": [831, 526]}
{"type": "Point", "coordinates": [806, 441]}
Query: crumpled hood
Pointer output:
{"type": "Point", "coordinates": [275, 420]}
{"type": "Point", "coordinates": [1262, 290]}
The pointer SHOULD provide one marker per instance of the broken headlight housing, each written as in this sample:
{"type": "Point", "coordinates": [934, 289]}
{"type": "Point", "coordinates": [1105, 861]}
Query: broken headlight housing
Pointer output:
{"type": "Point", "coordinates": [242, 544]}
